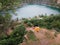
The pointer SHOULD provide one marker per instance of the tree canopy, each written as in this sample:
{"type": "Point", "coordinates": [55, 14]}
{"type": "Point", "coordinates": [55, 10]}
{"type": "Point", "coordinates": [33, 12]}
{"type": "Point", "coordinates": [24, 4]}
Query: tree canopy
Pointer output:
{"type": "Point", "coordinates": [16, 37]}
{"type": "Point", "coordinates": [8, 4]}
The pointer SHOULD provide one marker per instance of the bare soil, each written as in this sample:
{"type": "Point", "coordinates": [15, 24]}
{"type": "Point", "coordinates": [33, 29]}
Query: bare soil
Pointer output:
{"type": "Point", "coordinates": [44, 36]}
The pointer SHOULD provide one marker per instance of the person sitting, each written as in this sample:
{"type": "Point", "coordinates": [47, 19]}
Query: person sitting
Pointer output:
{"type": "Point", "coordinates": [37, 29]}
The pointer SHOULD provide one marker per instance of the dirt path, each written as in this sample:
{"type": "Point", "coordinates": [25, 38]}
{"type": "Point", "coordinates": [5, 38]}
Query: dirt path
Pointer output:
{"type": "Point", "coordinates": [45, 37]}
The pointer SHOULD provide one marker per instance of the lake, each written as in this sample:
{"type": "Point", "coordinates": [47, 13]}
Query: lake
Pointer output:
{"type": "Point", "coordinates": [34, 10]}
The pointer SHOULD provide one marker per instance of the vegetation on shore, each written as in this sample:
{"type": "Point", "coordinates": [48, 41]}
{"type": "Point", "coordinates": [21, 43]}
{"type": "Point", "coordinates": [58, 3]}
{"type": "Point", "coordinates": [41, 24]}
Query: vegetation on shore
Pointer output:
{"type": "Point", "coordinates": [49, 22]}
{"type": "Point", "coordinates": [9, 4]}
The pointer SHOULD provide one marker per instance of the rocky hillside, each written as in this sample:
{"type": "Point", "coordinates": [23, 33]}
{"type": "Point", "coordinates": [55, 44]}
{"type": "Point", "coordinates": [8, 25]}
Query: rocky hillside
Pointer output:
{"type": "Point", "coordinates": [58, 1]}
{"type": "Point", "coordinates": [55, 3]}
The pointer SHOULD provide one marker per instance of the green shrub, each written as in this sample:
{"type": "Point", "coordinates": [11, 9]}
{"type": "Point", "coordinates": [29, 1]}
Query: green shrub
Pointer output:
{"type": "Point", "coordinates": [31, 36]}
{"type": "Point", "coordinates": [30, 24]}
{"type": "Point", "coordinates": [16, 37]}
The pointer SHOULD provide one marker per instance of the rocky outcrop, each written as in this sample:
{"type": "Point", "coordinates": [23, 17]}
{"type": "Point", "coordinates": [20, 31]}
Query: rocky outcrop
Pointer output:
{"type": "Point", "coordinates": [39, 1]}
{"type": "Point", "coordinates": [55, 3]}
{"type": "Point", "coordinates": [58, 1]}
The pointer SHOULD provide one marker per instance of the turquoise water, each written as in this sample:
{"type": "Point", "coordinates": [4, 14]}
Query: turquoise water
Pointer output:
{"type": "Point", "coordinates": [34, 10]}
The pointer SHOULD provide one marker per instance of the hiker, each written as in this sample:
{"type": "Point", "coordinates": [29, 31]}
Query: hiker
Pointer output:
{"type": "Point", "coordinates": [37, 29]}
